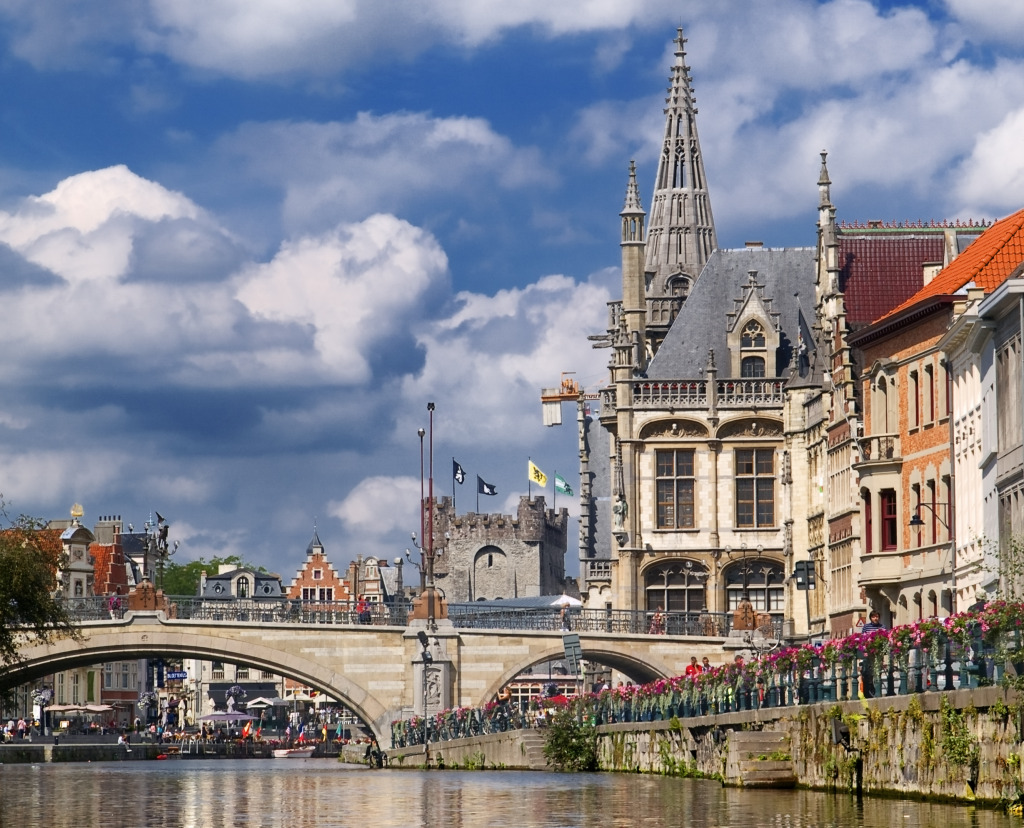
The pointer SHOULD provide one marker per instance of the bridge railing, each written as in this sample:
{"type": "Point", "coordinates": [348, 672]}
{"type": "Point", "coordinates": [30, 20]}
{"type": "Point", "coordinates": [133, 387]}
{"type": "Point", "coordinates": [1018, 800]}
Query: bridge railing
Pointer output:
{"type": "Point", "coordinates": [933, 655]}
{"type": "Point", "coordinates": [622, 622]}
{"type": "Point", "coordinates": [463, 616]}
{"type": "Point", "coordinates": [254, 610]}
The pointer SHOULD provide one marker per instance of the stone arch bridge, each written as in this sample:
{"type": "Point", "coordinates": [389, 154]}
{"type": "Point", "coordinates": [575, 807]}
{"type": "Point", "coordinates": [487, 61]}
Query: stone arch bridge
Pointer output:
{"type": "Point", "coordinates": [370, 669]}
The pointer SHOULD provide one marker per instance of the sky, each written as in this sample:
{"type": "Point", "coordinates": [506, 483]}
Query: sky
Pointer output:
{"type": "Point", "coordinates": [243, 244]}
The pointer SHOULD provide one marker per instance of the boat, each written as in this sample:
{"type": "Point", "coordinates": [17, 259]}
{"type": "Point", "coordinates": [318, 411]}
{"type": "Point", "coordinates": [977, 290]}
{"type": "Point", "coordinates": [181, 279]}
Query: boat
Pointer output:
{"type": "Point", "coordinates": [294, 753]}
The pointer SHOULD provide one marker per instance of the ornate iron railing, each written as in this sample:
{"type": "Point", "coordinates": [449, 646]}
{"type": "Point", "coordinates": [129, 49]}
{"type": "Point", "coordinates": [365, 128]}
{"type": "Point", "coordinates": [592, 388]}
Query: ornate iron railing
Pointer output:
{"type": "Point", "coordinates": [834, 672]}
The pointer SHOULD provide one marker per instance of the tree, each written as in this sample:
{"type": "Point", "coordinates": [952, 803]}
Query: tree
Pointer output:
{"type": "Point", "coordinates": [30, 610]}
{"type": "Point", "coordinates": [183, 579]}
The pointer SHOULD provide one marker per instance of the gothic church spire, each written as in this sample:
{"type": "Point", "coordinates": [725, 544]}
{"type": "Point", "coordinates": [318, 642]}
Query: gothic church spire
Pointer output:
{"type": "Point", "coordinates": [681, 235]}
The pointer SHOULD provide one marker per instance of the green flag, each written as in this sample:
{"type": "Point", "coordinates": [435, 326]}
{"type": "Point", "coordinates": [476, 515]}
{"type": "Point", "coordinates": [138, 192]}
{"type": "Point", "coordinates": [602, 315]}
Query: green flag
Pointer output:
{"type": "Point", "coordinates": [561, 485]}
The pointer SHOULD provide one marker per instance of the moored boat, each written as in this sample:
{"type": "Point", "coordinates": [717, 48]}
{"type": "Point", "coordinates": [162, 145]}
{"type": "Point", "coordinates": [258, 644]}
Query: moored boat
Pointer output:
{"type": "Point", "coordinates": [294, 753]}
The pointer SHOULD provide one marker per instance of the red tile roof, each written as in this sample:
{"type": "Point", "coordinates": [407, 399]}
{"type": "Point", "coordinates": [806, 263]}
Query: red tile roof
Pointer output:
{"type": "Point", "coordinates": [878, 271]}
{"type": "Point", "coordinates": [986, 263]}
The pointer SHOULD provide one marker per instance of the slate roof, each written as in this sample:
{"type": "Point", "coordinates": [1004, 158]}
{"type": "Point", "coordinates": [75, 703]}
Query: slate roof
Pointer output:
{"type": "Point", "coordinates": [993, 257]}
{"type": "Point", "coordinates": [788, 275]}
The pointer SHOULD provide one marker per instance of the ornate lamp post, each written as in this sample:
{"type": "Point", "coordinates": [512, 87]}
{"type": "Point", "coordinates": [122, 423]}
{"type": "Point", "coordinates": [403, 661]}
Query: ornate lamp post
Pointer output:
{"type": "Point", "coordinates": [431, 620]}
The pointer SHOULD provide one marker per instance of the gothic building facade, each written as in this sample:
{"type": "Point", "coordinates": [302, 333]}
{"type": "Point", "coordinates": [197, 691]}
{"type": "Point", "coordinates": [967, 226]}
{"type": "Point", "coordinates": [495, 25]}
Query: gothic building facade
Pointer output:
{"type": "Point", "coordinates": [767, 407]}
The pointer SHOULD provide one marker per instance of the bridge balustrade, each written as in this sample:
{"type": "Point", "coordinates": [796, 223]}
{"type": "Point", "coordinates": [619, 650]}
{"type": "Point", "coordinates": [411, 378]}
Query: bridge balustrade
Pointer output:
{"type": "Point", "coordinates": [462, 616]}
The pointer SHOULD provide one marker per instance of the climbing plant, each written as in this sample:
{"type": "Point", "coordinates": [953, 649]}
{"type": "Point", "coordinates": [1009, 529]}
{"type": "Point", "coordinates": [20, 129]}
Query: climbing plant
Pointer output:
{"type": "Point", "coordinates": [571, 745]}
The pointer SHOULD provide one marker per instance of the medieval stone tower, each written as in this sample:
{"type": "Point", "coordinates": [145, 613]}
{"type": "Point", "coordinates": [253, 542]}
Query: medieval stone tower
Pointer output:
{"type": "Point", "coordinates": [484, 557]}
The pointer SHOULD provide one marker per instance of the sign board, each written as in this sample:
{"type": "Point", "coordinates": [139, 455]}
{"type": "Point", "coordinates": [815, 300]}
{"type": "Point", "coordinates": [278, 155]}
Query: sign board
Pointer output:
{"type": "Point", "coordinates": [573, 652]}
{"type": "Point", "coordinates": [177, 675]}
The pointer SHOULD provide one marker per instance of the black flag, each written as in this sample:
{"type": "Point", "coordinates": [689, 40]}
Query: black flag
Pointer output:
{"type": "Point", "coordinates": [458, 472]}
{"type": "Point", "coordinates": [485, 488]}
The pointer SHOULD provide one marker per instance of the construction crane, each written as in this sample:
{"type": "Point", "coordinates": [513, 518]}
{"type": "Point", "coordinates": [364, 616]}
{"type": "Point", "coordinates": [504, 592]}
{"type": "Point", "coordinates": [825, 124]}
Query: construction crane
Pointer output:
{"type": "Point", "coordinates": [552, 398]}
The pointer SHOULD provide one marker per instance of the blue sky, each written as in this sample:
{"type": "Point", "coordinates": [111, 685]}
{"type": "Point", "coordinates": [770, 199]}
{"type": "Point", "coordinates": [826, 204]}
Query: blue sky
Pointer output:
{"type": "Point", "coordinates": [243, 244]}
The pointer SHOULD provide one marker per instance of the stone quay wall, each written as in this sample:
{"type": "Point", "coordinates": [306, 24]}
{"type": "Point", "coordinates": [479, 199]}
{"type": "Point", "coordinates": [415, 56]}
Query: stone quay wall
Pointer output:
{"type": "Point", "coordinates": [960, 745]}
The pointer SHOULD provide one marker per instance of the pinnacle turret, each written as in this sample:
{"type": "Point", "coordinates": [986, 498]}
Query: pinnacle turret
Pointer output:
{"type": "Point", "coordinates": [682, 235]}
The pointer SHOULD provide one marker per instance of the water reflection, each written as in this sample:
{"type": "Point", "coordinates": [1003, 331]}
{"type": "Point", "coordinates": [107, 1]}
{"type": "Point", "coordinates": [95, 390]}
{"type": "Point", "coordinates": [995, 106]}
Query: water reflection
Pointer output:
{"type": "Point", "coordinates": [322, 793]}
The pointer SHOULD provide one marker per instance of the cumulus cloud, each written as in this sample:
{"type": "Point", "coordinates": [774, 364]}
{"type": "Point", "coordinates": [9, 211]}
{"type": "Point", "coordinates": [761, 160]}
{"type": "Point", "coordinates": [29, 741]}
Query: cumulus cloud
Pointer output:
{"type": "Point", "coordinates": [379, 506]}
{"type": "Point", "coordinates": [347, 170]}
{"type": "Point", "coordinates": [270, 38]}
{"type": "Point", "coordinates": [991, 181]}
{"type": "Point", "coordinates": [355, 289]}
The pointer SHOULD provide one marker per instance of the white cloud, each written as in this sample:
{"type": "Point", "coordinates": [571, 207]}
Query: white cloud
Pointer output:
{"type": "Point", "coordinates": [346, 171]}
{"type": "Point", "coordinates": [1001, 20]}
{"type": "Point", "coordinates": [991, 180]}
{"type": "Point", "coordinates": [379, 506]}
{"type": "Point", "coordinates": [492, 356]}
{"type": "Point", "coordinates": [354, 289]}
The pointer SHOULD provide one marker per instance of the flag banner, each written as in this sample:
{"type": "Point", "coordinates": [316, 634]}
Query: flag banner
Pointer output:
{"type": "Point", "coordinates": [561, 485]}
{"type": "Point", "coordinates": [458, 472]}
{"type": "Point", "coordinates": [485, 488]}
{"type": "Point", "coordinates": [537, 476]}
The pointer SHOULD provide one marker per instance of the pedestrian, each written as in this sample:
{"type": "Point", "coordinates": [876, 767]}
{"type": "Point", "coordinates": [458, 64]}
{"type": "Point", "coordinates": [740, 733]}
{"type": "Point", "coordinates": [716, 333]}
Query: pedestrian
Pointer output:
{"type": "Point", "coordinates": [564, 616]}
{"type": "Point", "coordinates": [363, 614]}
{"type": "Point", "coordinates": [657, 622]}
{"type": "Point", "coordinates": [867, 666]}
{"type": "Point", "coordinates": [693, 668]}
{"type": "Point", "coordinates": [705, 665]}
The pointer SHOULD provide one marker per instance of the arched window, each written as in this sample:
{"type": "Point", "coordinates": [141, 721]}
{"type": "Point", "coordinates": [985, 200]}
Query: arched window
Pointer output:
{"type": "Point", "coordinates": [677, 586]}
{"type": "Point", "coordinates": [753, 335]}
{"type": "Point", "coordinates": [679, 286]}
{"type": "Point", "coordinates": [761, 581]}
{"type": "Point", "coordinates": [752, 367]}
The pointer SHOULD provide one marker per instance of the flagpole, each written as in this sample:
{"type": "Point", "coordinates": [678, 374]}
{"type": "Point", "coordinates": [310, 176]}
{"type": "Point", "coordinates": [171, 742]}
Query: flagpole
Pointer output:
{"type": "Point", "coordinates": [554, 493]}
{"type": "Point", "coordinates": [529, 481]}
{"type": "Point", "coordinates": [454, 512]}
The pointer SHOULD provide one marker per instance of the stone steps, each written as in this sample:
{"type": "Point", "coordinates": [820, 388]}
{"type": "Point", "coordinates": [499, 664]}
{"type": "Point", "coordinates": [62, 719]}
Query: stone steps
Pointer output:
{"type": "Point", "coordinates": [753, 760]}
{"type": "Point", "coordinates": [533, 749]}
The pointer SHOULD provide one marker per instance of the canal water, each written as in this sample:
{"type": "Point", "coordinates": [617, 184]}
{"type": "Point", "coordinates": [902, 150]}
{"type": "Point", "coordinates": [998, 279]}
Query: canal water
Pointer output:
{"type": "Point", "coordinates": [323, 793]}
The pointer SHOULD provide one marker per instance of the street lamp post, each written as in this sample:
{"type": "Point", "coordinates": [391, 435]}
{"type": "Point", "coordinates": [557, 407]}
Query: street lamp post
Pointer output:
{"type": "Point", "coordinates": [431, 621]}
{"type": "Point", "coordinates": [916, 523]}
{"type": "Point", "coordinates": [423, 569]}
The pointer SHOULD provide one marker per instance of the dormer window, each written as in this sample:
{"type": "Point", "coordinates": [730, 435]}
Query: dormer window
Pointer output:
{"type": "Point", "coordinates": [243, 587]}
{"type": "Point", "coordinates": [753, 335]}
{"type": "Point", "coordinates": [752, 338]}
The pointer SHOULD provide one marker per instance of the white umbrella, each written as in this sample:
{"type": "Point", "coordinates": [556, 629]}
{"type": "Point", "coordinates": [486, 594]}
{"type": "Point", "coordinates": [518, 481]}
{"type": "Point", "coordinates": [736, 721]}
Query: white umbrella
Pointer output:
{"type": "Point", "coordinates": [226, 717]}
{"type": "Point", "coordinates": [564, 600]}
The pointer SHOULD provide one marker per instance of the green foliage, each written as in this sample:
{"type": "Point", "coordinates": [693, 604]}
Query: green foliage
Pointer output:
{"type": "Point", "coordinates": [958, 743]}
{"type": "Point", "coordinates": [476, 761]}
{"type": "Point", "coordinates": [29, 610]}
{"type": "Point", "coordinates": [183, 578]}
{"type": "Point", "coordinates": [571, 745]}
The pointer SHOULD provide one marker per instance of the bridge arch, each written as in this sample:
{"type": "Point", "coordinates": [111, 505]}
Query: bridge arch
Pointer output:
{"type": "Point", "coordinates": [107, 642]}
{"type": "Point", "coordinates": [641, 668]}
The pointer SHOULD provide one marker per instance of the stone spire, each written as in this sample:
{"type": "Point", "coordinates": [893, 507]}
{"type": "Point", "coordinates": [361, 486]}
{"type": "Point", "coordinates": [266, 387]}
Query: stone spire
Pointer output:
{"type": "Point", "coordinates": [681, 235]}
{"type": "Point", "coordinates": [634, 299]}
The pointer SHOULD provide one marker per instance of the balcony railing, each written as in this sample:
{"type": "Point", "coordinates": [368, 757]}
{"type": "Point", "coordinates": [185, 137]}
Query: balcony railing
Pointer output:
{"type": "Point", "coordinates": [743, 393]}
{"type": "Point", "coordinates": [880, 447]}
{"type": "Point", "coordinates": [670, 394]}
